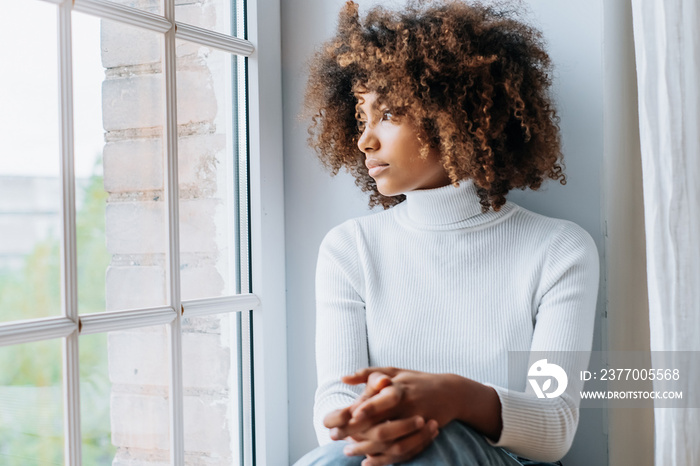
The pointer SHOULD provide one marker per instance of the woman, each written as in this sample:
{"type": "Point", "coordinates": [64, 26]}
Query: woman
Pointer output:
{"type": "Point", "coordinates": [438, 111]}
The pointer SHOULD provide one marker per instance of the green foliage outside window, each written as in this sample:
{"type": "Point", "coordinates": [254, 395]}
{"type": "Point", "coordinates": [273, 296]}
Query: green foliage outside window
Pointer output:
{"type": "Point", "coordinates": [31, 405]}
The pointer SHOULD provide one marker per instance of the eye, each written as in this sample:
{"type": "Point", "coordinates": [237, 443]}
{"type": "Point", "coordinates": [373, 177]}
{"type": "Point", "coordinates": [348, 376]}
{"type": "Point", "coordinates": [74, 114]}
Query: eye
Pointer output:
{"type": "Point", "coordinates": [387, 115]}
{"type": "Point", "coordinates": [361, 125]}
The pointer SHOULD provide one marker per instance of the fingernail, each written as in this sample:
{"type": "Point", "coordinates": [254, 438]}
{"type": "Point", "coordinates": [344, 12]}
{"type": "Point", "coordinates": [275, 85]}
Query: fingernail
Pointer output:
{"type": "Point", "coordinates": [420, 422]}
{"type": "Point", "coordinates": [334, 433]}
{"type": "Point", "coordinates": [348, 450]}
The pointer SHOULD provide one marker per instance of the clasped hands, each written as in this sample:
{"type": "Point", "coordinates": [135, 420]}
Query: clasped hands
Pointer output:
{"type": "Point", "coordinates": [396, 417]}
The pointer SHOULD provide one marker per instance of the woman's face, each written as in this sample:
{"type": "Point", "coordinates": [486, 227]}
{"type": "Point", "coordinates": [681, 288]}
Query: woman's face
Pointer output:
{"type": "Point", "coordinates": [392, 151]}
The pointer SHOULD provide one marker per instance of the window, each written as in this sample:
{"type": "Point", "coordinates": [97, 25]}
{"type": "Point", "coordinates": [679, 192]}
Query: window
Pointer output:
{"type": "Point", "coordinates": [136, 261]}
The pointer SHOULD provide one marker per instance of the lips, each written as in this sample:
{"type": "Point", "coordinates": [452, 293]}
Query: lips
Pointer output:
{"type": "Point", "coordinates": [375, 166]}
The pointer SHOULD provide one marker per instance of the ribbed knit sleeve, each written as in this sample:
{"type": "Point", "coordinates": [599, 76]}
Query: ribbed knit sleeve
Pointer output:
{"type": "Point", "coordinates": [543, 429]}
{"type": "Point", "coordinates": [341, 334]}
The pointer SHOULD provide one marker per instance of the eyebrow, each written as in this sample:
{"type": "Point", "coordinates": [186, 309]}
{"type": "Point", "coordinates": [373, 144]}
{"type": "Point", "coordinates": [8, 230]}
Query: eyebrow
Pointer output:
{"type": "Point", "coordinates": [376, 106]}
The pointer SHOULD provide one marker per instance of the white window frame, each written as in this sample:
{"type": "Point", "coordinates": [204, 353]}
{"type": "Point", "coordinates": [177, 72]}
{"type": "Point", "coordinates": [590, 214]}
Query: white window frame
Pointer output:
{"type": "Point", "coordinates": [267, 232]}
{"type": "Point", "coordinates": [262, 308]}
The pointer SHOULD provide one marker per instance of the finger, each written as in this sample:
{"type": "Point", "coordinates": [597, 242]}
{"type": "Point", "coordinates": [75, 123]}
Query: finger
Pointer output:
{"type": "Point", "coordinates": [426, 439]}
{"type": "Point", "coordinates": [420, 441]}
{"type": "Point", "coordinates": [383, 402]}
{"type": "Point", "coordinates": [361, 375]}
{"type": "Point", "coordinates": [378, 438]}
{"type": "Point", "coordinates": [337, 418]}
{"type": "Point", "coordinates": [377, 409]}
{"type": "Point", "coordinates": [380, 460]}
{"type": "Point", "coordinates": [405, 448]}
{"type": "Point", "coordinates": [390, 431]}
{"type": "Point", "coordinates": [375, 383]}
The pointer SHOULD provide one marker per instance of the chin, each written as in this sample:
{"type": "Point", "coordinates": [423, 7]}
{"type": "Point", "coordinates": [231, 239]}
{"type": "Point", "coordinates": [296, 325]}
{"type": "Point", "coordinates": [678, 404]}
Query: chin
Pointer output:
{"type": "Point", "coordinates": [388, 192]}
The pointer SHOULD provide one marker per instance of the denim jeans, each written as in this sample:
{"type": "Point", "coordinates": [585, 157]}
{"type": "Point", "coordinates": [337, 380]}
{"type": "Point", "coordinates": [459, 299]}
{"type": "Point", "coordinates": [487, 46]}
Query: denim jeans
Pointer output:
{"type": "Point", "coordinates": [456, 445]}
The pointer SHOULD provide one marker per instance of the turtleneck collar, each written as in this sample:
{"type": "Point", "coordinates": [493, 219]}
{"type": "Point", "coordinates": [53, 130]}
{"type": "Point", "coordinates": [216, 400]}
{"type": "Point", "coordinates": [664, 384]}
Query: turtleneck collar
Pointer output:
{"type": "Point", "coordinates": [448, 208]}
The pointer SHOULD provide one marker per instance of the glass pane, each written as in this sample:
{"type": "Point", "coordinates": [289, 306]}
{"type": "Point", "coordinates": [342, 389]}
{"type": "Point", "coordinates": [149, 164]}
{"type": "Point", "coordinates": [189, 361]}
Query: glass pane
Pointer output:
{"type": "Point", "coordinates": [207, 162]}
{"type": "Point", "coordinates": [210, 378]}
{"type": "Point", "coordinates": [31, 400]}
{"type": "Point", "coordinates": [152, 6]}
{"type": "Point", "coordinates": [215, 15]}
{"type": "Point", "coordinates": [124, 397]}
{"type": "Point", "coordinates": [119, 119]}
{"type": "Point", "coordinates": [30, 189]}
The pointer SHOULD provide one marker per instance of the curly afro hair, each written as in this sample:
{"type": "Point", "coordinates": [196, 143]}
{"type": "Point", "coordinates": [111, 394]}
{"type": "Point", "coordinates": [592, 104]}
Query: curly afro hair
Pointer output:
{"type": "Point", "coordinates": [473, 79]}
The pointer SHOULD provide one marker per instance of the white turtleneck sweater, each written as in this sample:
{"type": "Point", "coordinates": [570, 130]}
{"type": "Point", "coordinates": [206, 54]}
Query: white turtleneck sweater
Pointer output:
{"type": "Point", "coordinates": [435, 285]}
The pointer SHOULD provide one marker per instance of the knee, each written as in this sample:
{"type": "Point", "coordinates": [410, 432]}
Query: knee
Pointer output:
{"type": "Point", "coordinates": [330, 454]}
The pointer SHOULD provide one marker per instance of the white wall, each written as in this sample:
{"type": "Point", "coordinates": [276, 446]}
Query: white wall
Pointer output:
{"type": "Point", "coordinates": [631, 431]}
{"type": "Point", "coordinates": [314, 202]}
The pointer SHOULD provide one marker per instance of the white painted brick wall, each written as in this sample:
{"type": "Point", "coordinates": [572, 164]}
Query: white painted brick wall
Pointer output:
{"type": "Point", "coordinates": [197, 156]}
{"type": "Point", "coordinates": [132, 102]}
{"type": "Point", "coordinates": [205, 361]}
{"type": "Point", "coordinates": [137, 286]}
{"type": "Point", "coordinates": [136, 227]}
{"type": "Point", "coordinates": [137, 101]}
{"type": "Point", "coordinates": [139, 227]}
{"type": "Point", "coordinates": [195, 94]}
{"type": "Point", "coordinates": [140, 421]}
{"type": "Point", "coordinates": [139, 357]}
{"type": "Point", "coordinates": [120, 158]}
{"type": "Point", "coordinates": [139, 364]}
{"type": "Point", "coordinates": [203, 16]}
{"type": "Point", "coordinates": [200, 282]}
{"type": "Point", "coordinates": [127, 457]}
{"type": "Point", "coordinates": [197, 227]}
{"type": "Point", "coordinates": [206, 428]}
{"type": "Point", "coordinates": [127, 46]}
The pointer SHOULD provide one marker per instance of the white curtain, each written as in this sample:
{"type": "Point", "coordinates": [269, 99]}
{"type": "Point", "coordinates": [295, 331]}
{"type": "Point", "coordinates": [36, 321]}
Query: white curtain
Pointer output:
{"type": "Point", "coordinates": [667, 48]}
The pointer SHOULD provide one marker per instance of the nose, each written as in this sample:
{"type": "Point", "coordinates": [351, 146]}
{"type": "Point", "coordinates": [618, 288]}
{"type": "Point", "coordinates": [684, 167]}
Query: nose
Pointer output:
{"type": "Point", "coordinates": [368, 141]}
